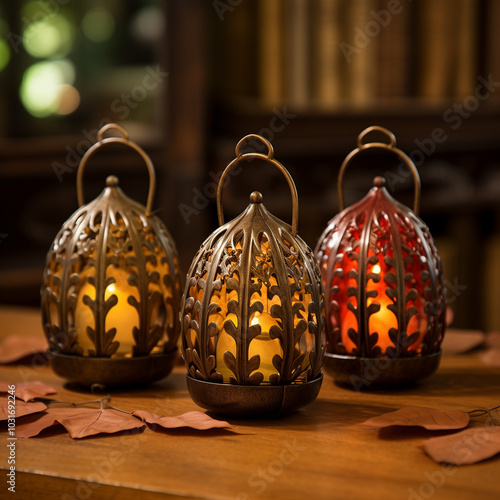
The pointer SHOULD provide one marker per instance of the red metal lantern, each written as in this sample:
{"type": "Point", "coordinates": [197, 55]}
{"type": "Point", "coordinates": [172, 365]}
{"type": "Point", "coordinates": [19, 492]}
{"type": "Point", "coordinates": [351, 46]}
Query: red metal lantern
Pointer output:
{"type": "Point", "coordinates": [383, 283]}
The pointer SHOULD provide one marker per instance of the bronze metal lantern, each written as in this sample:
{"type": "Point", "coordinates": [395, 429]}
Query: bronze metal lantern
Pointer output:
{"type": "Point", "coordinates": [383, 281]}
{"type": "Point", "coordinates": [252, 311]}
{"type": "Point", "coordinates": [111, 288]}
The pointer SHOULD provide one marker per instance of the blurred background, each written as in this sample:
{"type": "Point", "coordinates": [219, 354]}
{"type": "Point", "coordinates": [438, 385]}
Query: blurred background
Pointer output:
{"type": "Point", "coordinates": [189, 78]}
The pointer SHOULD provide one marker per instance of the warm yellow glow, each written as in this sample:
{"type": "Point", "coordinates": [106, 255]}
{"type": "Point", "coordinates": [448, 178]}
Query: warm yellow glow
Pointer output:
{"type": "Point", "coordinates": [266, 321]}
{"type": "Point", "coordinates": [376, 269]}
{"type": "Point", "coordinates": [122, 316]}
{"type": "Point", "coordinates": [225, 343]}
{"type": "Point", "coordinates": [266, 349]}
{"type": "Point", "coordinates": [264, 346]}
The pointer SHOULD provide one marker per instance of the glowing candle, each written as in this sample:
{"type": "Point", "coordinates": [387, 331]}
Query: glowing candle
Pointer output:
{"type": "Point", "coordinates": [384, 319]}
{"type": "Point", "coordinates": [122, 316]}
{"type": "Point", "coordinates": [264, 345]}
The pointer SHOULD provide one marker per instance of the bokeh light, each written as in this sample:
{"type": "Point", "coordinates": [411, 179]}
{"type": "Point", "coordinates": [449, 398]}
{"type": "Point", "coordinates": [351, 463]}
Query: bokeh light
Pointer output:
{"type": "Point", "coordinates": [148, 24]}
{"type": "Point", "coordinates": [4, 27]}
{"type": "Point", "coordinates": [4, 46]}
{"type": "Point", "coordinates": [98, 24]}
{"type": "Point", "coordinates": [68, 99]}
{"type": "Point", "coordinates": [4, 54]}
{"type": "Point", "coordinates": [45, 88]}
{"type": "Point", "coordinates": [52, 36]}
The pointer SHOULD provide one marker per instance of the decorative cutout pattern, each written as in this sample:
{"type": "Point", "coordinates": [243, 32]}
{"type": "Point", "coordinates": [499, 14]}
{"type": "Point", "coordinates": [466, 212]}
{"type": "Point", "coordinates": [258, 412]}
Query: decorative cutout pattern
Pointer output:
{"type": "Point", "coordinates": [381, 270]}
{"type": "Point", "coordinates": [110, 257]}
{"type": "Point", "coordinates": [253, 311]}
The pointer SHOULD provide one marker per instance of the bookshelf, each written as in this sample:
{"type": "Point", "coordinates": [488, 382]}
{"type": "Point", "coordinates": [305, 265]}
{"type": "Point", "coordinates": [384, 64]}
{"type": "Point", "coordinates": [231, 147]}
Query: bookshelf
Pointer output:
{"type": "Point", "coordinates": [426, 70]}
{"type": "Point", "coordinates": [329, 54]}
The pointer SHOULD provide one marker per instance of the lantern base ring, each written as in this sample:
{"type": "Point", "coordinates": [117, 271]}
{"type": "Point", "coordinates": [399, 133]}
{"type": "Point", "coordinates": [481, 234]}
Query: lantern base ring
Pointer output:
{"type": "Point", "coordinates": [252, 401]}
{"type": "Point", "coordinates": [366, 373]}
{"type": "Point", "coordinates": [108, 372]}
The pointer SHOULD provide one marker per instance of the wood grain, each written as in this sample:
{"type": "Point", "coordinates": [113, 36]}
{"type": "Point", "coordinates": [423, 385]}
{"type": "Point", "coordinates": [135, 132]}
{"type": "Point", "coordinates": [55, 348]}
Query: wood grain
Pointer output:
{"type": "Point", "coordinates": [319, 452]}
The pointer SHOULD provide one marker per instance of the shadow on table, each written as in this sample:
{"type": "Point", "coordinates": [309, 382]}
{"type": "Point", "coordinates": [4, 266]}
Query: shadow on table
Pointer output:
{"type": "Point", "coordinates": [174, 384]}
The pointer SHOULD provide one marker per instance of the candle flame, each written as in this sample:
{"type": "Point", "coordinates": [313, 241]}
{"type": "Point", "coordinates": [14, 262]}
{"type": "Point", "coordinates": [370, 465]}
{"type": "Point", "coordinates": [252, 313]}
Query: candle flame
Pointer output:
{"type": "Point", "coordinates": [376, 269]}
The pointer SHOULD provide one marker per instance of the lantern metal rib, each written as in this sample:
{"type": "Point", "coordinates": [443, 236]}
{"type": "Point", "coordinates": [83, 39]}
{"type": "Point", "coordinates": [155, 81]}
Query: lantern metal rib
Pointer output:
{"type": "Point", "coordinates": [252, 312]}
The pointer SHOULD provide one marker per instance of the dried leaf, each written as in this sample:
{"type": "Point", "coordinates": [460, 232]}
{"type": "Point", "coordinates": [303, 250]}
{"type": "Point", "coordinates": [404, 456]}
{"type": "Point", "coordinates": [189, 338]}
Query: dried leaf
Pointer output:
{"type": "Point", "coordinates": [449, 315]}
{"type": "Point", "coordinates": [28, 390]}
{"type": "Point", "coordinates": [22, 408]}
{"type": "Point", "coordinates": [493, 339]}
{"type": "Point", "coordinates": [491, 357]}
{"type": "Point", "coordinates": [80, 422]}
{"type": "Point", "coordinates": [34, 424]}
{"type": "Point", "coordinates": [194, 419]}
{"type": "Point", "coordinates": [461, 341]}
{"type": "Point", "coordinates": [465, 447]}
{"type": "Point", "coordinates": [101, 421]}
{"type": "Point", "coordinates": [17, 347]}
{"type": "Point", "coordinates": [428, 418]}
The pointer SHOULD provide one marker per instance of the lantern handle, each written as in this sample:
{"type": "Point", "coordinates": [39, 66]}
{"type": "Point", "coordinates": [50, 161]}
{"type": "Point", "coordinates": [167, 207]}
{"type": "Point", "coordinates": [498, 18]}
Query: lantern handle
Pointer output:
{"type": "Point", "coordinates": [102, 141]}
{"type": "Point", "coordinates": [391, 146]}
{"type": "Point", "coordinates": [266, 157]}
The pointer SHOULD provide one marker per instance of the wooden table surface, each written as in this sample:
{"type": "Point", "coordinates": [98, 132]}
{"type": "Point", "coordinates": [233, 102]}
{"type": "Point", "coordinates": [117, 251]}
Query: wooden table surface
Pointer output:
{"type": "Point", "coordinates": [319, 452]}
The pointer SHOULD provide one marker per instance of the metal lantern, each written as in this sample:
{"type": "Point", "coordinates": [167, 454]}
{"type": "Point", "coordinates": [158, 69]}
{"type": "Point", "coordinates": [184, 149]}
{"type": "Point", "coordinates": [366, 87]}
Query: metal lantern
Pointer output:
{"type": "Point", "coordinates": [383, 281]}
{"type": "Point", "coordinates": [252, 311]}
{"type": "Point", "coordinates": [111, 287]}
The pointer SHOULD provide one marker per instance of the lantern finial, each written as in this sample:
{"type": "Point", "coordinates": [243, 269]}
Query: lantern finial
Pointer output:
{"type": "Point", "coordinates": [112, 181]}
{"type": "Point", "coordinates": [256, 197]}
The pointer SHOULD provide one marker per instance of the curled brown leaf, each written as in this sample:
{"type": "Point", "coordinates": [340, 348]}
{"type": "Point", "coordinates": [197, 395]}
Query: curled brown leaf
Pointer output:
{"type": "Point", "coordinates": [28, 390]}
{"type": "Point", "coordinates": [21, 408]}
{"type": "Point", "coordinates": [491, 356]}
{"type": "Point", "coordinates": [193, 419]}
{"type": "Point", "coordinates": [17, 347]}
{"type": "Point", "coordinates": [466, 447]}
{"type": "Point", "coordinates": [79, 422]}
{"type": "Point", "coordinates": [428, 418]}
